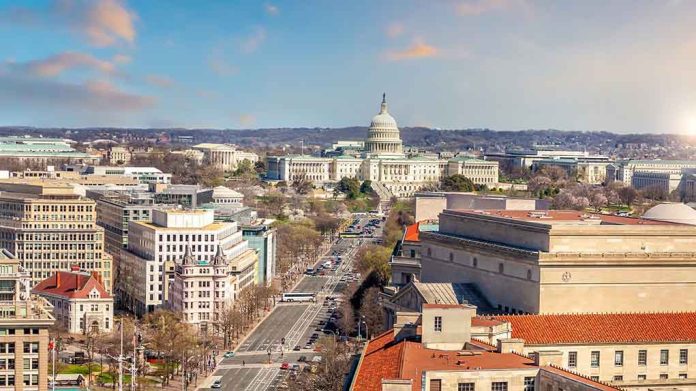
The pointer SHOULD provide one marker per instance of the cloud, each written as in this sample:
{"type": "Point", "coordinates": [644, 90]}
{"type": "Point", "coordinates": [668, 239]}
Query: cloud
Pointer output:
{"type": "Point", "coordinates": [102, 23]}
{"type": "Point", "coordinates": [20, 91]}
{"type": "Point", "coordinates": [418, 49]}
{"type": "Point", "coordinates": [59, 63]}
{"type": "Point", "coordinates": [122, 59]}
{"type": "Point", "coordinates": [253, 41]}
{"type": "Point", "coordinates": [271, 9]}
{"type": "Point", "coordinates": [221, 67]}
{"type": "Point", "coordinates": [159, 81]}
{"type": "Point", "coordinates": [478, 7]}
{"type": "Point", "coordinates": [394, 30]}
{"type": "Point", "coordinates": [246, 119]}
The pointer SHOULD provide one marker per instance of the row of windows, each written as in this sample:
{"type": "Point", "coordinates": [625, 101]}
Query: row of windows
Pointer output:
{"type": "Point", "coordinates": [619, 358]}
{"type": "Point", "coordinates": [663, 376]}
{"type": "Point", "coordinates": [436, 385]}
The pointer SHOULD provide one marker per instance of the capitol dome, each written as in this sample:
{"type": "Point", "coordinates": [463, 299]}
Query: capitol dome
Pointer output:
{"type": "Point", "coordinates": [383, 138]}
{"type": "Point", "coordinates": [672, 213]}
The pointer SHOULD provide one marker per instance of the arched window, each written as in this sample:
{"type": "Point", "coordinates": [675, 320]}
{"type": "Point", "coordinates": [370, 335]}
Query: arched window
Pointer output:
{"type": "Point", "coordinates": [529, 274]}
{"type": "Point", "coordinates": [451, 257]}
{"type": "Point", "coordinates": [475, 262]}
{"type": "Point", "coordinates": [501, 267]}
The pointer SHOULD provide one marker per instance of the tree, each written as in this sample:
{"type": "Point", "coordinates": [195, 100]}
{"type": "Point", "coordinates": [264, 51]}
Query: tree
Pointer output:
{"type": "Point", "coordinates": [349, 186]}
{"type": "Point", "coordinates": [366, 187]}
{"type": "Point", "coordinates": [457, 182]}
{"type": "Point", "coordinates": [375, 259]}
{"type": "Point", "coordinates": [171, 337]}
{"type": "Point", "coordinates": [301, 184]}
{"type": "Point", "coordinates": [274, 203]}
{"type": "Point", "coordinates": [245, 167]}
{"type": "Point", "coordinates": [371, 312]}
{"type": "Point", "coordinates": [628, 195]}
{"type": "Point", "coordinates": [655, 193]}
{"type": "Point", "coordinates": [331, 372]}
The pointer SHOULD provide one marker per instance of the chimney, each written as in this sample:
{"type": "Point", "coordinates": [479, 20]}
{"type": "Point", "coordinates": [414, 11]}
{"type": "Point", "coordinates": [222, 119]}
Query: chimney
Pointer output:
{"type": "Point", "coordinates": [548, 357]}
{"type": "Point", "coordinates": [77, 281]}
{"type": "Point", "coordinates": [57, 279]}
{"type": "Point", "coordinates": [509, 345]}
{"type": "Point", "coordinates": [98, 277]}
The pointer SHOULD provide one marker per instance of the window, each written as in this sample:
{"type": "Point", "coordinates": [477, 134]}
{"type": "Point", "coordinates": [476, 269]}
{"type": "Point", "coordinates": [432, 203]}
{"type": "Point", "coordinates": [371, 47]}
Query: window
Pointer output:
{"type": "Point", "coordinates": [618, 378]}
{"type": "Point", "coordinates": [529, 384]}
{"type": "Point", "coordinates": [642, 377]}
{"type": "Point", "coordinates": [435, 385]}
{"type": "Point", "coordinates": [664, 357]}
{"type": "Point", "coordinates": [31, 347]}
{"type": "Point", "coordinates": [683, 356]}
{"type": "Point", "coordinates": [475, 262]}
{"type": "Point", "coordinates": [594, 359]}
{"type": "Point", "coordinates": [618, 358]}
{"type": "Point", "coordinates": [642, 357]}
{"type": "Point", "coordinates": [683, 376]}
{"type": "Point", "coordinates": [501, 268]}
{"type": "Point", "coordinates": [430, 252]}
{"type": "Point", "coordinates": [499, 386]}
{"type": "Point", "coordinates": [451, 257]}
{"type": "Point", "coordinates": [437, 326]}
{"type": "Point", "coordinates": [465, 387]}
{"type": "Point", "coordinates": [572, 359]}
{"type": "Point", "coordinates": [594, 378]}
{"type": "Point", "coordinates": [664, 376]}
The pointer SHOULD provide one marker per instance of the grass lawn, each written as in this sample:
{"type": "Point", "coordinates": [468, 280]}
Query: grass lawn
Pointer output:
{"type": "Point", "coordinates": [82, 369]}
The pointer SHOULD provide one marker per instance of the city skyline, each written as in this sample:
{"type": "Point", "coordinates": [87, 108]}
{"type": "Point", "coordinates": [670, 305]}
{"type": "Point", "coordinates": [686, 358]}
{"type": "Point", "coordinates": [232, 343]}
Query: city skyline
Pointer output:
{"type": "Point", "coordinates": [500, 64]}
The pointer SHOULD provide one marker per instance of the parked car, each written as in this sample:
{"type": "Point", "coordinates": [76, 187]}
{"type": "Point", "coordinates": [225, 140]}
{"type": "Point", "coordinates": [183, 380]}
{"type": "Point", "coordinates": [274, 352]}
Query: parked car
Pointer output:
{"type": "Point", "coordinates": [284, 365]}
{"type": "Point", "coordinates": [296, 348]}
{"type": "Point", "coordinates": [302, 359]}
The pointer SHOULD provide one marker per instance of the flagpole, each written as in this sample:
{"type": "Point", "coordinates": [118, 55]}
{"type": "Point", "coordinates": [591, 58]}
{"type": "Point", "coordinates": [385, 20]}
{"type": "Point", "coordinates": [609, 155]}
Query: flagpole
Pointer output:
{"type": "Point", "coordinates": [53, 358]}
{"type": "Point", "coordinates": [120, 362]}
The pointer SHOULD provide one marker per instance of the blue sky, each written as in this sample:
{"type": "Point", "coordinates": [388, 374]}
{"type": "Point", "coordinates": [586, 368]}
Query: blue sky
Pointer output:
{"type": "Point", "coordinates": [624, 66]}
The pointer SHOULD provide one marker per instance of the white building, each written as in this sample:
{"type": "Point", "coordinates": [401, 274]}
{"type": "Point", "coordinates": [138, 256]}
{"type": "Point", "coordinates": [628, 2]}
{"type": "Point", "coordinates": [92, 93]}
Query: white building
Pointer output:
{"type": "Point", "coordinates": [201, 289]}
{"type": "Point", "coordinates": [148, 265]}
{"type": "Point", "coordinates": [624, 170]}
{"type": "Point", "coordinates": [81, 305]}
{"type": "Point", "coordinates": [225, 156]}
{"type": "Point", "coordinates": [226, 197]}
{"type": "Point", "coordinates": [142, 174]}
{"type": "Point", "coordinates": [382, 161]}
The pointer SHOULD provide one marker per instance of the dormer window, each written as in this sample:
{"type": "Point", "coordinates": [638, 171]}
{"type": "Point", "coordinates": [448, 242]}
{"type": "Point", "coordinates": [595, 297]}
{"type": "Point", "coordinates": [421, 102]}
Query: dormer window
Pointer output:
{"type": "Point", "coordinates": [94, 294]}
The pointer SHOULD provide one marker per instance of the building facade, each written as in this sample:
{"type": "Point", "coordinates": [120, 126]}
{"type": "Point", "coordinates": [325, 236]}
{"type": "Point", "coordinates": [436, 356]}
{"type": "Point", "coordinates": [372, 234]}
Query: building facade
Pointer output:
{"type": "Point", "coordinates": [382, 161]}
{"type": "Point", "coordinates": [24, 324]}
{"type": "Point", "coordinates": [50, 228]}
{"type": "Point", "coordinates": [80, 303]}
{"type": "Point", "coordinates": [263, 238]}
{"type": "Point", "coordinates": [225, 156]}
{"type": "Point", "coordinates": [564, 261]}
{"type": "Point", "coordinates": [42, 151]}
{"type": "Point", "coordinates": [148, 264]}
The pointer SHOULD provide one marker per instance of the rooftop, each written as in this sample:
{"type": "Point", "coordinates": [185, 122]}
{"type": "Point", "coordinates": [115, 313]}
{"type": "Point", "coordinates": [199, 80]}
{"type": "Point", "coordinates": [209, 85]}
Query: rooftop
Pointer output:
{"type": "Point", "coordinates": [386, 358]}
{"type": "Point", "coordinates": [603, 328]}
{"type": "Point", "coordinates": [71, 285]}
{"type": "Point", "coordinates": [560, 216]}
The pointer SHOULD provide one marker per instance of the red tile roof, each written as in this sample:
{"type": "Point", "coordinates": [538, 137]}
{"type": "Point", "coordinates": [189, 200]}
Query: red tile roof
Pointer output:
{"type": "Point", "coordinates": [381, 360]}
{"type": "Point", "coordinates": [603, 328]}
{"type": "Point", "coordinates": [411, 234]}
{"type": "Point", "coordinates": [385, 358]}
{"type": "Point", "coordinates": [71, 285]}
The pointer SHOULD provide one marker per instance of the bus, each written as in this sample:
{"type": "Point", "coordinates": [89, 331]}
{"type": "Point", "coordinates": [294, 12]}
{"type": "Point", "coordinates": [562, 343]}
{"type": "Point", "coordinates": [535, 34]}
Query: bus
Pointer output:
{"type": "Point", "coordinates": [299, 296]}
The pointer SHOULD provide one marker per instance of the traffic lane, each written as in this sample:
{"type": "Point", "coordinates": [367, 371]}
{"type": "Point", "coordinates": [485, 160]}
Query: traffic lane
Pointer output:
{"type": "Point", "coordinates": [235, 379]}
{"type": "Point", "coordinates": [274, 327]}
{"type": "Point", "coordinates": [310, 284]}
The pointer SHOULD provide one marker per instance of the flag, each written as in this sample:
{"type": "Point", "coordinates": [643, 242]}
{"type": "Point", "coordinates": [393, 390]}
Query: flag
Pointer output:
{"type": "Point", "coordinates": [51, 344]}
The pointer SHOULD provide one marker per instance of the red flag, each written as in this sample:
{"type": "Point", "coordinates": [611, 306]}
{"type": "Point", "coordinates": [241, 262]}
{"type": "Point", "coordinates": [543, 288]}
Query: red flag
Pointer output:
{"type": "Point", "coordinates": [51, 345]}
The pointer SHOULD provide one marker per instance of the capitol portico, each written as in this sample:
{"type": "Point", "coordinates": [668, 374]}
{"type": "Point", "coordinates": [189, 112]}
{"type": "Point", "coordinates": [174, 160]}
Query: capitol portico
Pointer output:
{"type": "Point", "coordinates": [382, 161]}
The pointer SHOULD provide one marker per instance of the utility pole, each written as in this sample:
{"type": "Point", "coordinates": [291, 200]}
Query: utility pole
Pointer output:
{"type": "Point", "coordinates": [120, 362]}
{"type": "Point", "coordinates": [134, 367]}
{"type": "Point", "coordinates": [53, 359]}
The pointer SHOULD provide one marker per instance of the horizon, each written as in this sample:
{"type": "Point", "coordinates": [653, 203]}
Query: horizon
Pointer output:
{"type": "Point", "coordinates": [623, 67]}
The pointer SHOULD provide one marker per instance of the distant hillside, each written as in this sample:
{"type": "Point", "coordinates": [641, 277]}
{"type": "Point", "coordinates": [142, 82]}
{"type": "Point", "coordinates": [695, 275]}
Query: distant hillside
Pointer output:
{"type": "Point", "coordinates": [632, 145]}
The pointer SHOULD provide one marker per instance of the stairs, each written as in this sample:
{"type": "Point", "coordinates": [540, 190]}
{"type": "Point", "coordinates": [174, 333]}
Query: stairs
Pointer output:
{"type": "Point", "coordinates": [382, 192]}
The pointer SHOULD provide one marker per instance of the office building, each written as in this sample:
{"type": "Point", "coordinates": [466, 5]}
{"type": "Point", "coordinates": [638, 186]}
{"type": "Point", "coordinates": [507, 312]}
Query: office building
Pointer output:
{"type": "Point", "coordinates": [50, 228]}
{"type": "Point", "coordinates": [262, 237]}
{"type": "Point", "coordinates": [147, 266]}
{"type": "Point", "coordinates": [39, 150]}
{"type": "Point", "coordinates": [24, 324]}
{"type": "Point", "coordinates": [564, 261]}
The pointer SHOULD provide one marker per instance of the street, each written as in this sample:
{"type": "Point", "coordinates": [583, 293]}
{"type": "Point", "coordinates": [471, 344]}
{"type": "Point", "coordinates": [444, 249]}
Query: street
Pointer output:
{"type": "Point", "coordinates": [295, 322]}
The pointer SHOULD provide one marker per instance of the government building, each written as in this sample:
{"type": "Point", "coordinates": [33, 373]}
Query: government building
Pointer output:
{"type": "Point", "coordinates": [382, 160]}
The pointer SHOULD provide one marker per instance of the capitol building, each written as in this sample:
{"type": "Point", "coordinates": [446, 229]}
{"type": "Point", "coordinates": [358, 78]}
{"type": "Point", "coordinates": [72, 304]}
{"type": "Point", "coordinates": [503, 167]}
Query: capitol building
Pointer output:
{"type": "Point", "coordinates": [381, 160]}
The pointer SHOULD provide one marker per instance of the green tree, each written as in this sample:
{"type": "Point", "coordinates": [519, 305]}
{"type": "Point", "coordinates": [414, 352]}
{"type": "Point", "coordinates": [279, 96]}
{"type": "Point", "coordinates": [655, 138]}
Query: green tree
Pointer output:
{"type": "Point", "coordinates": [349, 186]}
{"type": "Point", "coordinates": [457, 182]}
{"type": "Point", "coordinates": [366, 187]}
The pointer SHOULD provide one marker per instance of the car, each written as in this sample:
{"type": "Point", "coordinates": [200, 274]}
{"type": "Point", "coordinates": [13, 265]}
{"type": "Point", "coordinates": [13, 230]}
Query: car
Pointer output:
{"type": "Point", "coordinates": [228, 355]}
{"type": "Point", "coordinates": [308, 346]}
{"type": "Point", "coordinates": [302, 359]}
{"type": "Point", "coordinates": [315, 335]}
{"type": "Point", "coordinates": [285, 365]}
{"type": "Point", "coordinates": [216, 384]}
{"type": "Point", "coordinates": [296, 348]}
{"type": "Point", "coordinates": [295, 367]}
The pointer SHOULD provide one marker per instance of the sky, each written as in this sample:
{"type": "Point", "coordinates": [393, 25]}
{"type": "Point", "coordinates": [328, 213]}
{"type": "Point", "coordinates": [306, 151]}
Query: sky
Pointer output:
{"type": "Point", "coordinates": [626, 66]}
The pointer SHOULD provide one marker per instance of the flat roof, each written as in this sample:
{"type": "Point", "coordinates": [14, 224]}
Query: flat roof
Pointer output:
{"type": "Point", "coordinates": [558, 216]}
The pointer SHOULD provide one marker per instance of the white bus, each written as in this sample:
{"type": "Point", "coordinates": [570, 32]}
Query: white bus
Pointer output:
{"type": "Point", "coordinates": [299, 296]}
